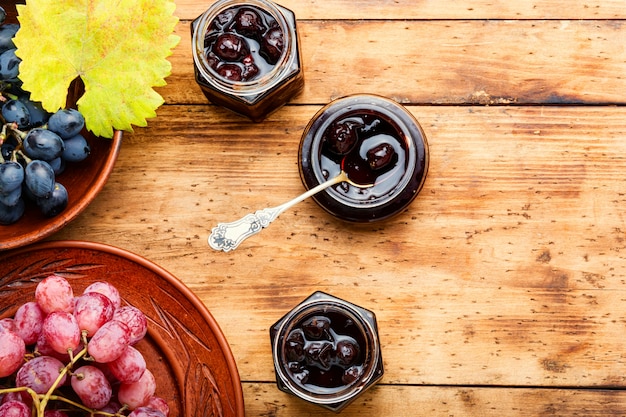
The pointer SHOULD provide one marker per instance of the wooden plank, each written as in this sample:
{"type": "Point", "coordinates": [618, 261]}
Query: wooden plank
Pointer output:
{"type": "Point", "coordinates": [448, 62]}
{"type": "Point", "coordinates": [432, 9]}
{"type": "Point", "coordinates": [412, 401]}
{"type": "Point", "coordinates": [507, 269]}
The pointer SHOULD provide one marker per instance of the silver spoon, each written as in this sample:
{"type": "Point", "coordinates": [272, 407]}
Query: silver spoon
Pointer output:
{"type": "Point", "coordinates": [227, 236]}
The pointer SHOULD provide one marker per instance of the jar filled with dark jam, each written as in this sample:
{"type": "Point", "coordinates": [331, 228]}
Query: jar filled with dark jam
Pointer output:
{"type": "Point", "coordinates": [246, 56]}
{"type": "Point", "coordinates": [378, 144]}
{"type": "Point", "coordinates": [326, 351]}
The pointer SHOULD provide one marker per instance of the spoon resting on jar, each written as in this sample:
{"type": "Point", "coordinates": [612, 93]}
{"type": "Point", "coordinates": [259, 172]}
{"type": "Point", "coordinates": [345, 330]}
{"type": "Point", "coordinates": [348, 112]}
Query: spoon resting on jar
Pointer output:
{"type": "Point", "coordinates": [228, 236]}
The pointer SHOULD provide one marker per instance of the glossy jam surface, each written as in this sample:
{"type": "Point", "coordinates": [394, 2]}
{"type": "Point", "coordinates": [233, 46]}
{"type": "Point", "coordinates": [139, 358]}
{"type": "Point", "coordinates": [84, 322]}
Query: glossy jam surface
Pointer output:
{"type": "Point", "coordinates": [325, 351]}
{"type": "Point", "coordinates": [372, 135]}
{"type": "Point", "coordinates": [246, 56]}
{"type": "Point", "coordinates": [243, 43]}
{"type": "Point", "coordinates": [378, 144]}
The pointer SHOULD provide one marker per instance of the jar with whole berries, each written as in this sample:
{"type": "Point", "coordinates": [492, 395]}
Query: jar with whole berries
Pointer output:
{"type": "Point", "coordinates": [246, 56]}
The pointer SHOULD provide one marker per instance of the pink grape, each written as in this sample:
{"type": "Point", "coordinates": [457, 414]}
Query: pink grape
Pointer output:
{"type": "Point", "coordinates": [146, 412]}
{"type": "Point", "coordinates": [43, 348]}
{"type": "Point", "coordinates": [21, 396]}
{"type": "Point", "coordinates": [40, 373]}
{"type": "Point", "coordinates": [28, 321]}
{"type": "Point", "coordinates": [12, 351]}
{"type": "Point", "coordinates": [14, 409]}
{"type": "Point", "coordinates": [137, 394]}
{"type": "Point", "coordinates": [54, 293]}
{"type": "Point", "coordinates": [109, 342]}
{"type": "Point", "coordinates": [129, 366]}
{"type": "Point", "coordinates": [92, 310]}
{"type": "Point", "coordinates": [7, 323]}
{"type": "Point", "coordinates": [112, 407]}
{"type": "Point", "coordinates": [91, 386]}
{"type": "Point", "coordinates": [108, 290]}
{"type": "Point", "coordinates": [135, 320]}
{"type": "Point", "coordinates": [160, 404]}
{"type": "Point", "coordinates": [61, 331]}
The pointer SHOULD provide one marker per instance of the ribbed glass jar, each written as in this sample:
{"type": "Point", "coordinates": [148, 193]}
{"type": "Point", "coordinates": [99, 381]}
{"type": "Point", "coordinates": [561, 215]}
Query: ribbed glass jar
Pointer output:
{"type": "Point", "coordinates": [275, 82]}
{"type": "Point", "coordinates": [326, 351]}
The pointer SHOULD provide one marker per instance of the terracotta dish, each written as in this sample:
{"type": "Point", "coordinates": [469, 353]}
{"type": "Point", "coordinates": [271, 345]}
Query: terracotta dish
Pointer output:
{"type": "Point", "coordinates": [83, 180]}
{"type": "Point", "coordinates": [185, 348]}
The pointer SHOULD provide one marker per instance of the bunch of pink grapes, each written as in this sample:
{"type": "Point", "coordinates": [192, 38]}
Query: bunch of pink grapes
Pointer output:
{"type": "Point", "coordinates": [63, 355]}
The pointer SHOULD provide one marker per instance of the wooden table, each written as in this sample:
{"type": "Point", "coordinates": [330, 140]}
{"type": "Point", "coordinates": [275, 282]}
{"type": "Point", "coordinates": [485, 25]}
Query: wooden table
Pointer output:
{"type": "Point", "coordinates": [500, 291]}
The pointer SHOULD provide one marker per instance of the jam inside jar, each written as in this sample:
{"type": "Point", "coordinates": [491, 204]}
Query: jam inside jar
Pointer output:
{"type": "Point", "coordinates": [326, 351]}
{"type": "Point", "coordinates": [246, 56]}
{"type": "Point", "coordinates": [378, 144]}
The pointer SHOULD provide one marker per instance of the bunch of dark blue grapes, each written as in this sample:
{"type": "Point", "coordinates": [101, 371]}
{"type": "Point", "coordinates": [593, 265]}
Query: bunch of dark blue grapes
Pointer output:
{"type": "Point", "coordinates": [35, 144]}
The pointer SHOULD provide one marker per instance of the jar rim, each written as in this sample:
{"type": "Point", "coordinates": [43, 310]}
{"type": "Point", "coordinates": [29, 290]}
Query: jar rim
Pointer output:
{"type": "Point", "coordinates": [327, 302]}
{"type": "Point", "coordinates": [255, 86]}
{"type": "Point", "coordinates": [352, 104]}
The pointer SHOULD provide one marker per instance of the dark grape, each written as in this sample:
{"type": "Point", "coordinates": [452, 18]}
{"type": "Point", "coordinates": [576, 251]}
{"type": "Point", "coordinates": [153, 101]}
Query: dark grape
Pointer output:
{"type": "Point", "coordinates": [38, 115]}
{"type": "Point", "coordinates": [9, 65]}
{"type": "Point", "coordinates": [43, 144]}
{"type": "Point", "coordinates": [11, 214]}
{"type": "Point", "coordinates": [57, 165]}
{"type": "Point", "coordinates": [7, 33]}
{"type": "Point", "coordinates": [66, 123]}
{"type": "Point", "coordinates": [76, 148]}
{"type": "Point", "coordinates": [39, 178]}
{"type": "Point", "coordinates": [55, 203]}
{"type": "Point", "coordinates": [14, 111]}
{"type": "Point", "coordinates": [11, 176]}
{"type": "Point", "coordinates": [12, 197]}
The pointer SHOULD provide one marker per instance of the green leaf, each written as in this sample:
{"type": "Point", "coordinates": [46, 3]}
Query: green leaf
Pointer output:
{"type": "Point", "coordinates": [119, 48]}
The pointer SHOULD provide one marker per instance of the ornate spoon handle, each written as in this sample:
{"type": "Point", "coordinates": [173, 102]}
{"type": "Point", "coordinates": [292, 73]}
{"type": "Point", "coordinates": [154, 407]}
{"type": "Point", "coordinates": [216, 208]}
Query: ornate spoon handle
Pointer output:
{"type": "Point", "coordinates": [227, 236]}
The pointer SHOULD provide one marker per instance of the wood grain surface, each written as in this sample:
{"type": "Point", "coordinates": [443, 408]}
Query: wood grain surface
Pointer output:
{"type": "Point", "coordinates": [499, 291]}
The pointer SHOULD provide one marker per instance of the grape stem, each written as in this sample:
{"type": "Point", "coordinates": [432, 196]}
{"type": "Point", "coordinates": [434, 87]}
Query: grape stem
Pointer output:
{"type": "Point", "coordinates": [44, 401]}
{"type": "Point", "coordinates": [40, 401]}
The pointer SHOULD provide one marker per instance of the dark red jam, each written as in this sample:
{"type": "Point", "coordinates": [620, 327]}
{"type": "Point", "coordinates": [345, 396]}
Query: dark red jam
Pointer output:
{"type": "Point", "coordinates": [246, 56]}
{"type": "Point", "coordinates": [378, 144]}
{"type": "Point", "coordinates": [243, 43]}
{"type": "Point", "coordinates": [377, 154]}
{"type": "Point", "coordinates": [325, 351]}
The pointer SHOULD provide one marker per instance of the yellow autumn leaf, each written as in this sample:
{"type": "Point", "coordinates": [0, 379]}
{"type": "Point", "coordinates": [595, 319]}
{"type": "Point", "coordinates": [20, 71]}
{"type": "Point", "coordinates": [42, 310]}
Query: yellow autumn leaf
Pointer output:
{"type": "Point", "coordinates": [119, 49]}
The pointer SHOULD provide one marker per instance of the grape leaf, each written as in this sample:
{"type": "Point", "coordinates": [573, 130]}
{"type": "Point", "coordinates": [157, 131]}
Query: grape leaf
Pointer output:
{"type": "Point", "coordinates": [119, 49]}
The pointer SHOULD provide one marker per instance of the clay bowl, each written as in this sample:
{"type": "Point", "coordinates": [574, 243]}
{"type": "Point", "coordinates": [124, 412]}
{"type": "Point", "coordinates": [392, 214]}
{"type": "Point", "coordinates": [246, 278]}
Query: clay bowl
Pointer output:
{"type": "Point", "coordinates": [83, 180]}
{"type": "Point", "coordinates": [185, 348]}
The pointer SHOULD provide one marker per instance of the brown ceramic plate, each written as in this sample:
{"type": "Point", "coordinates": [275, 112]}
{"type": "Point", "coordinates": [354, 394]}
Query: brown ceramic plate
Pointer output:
{"type": "Point", "coordinates": [83, 180]}
{"type": "Point", "coordinates": [185, 349]}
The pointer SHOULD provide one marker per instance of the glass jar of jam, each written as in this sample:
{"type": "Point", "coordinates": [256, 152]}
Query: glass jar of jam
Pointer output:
{"type": "Point", "coordinates": [378, 144]}
{"type": "Point", "coordinates": [246, 56]}
{"type": "Point", "coordinates": [326, 351]}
